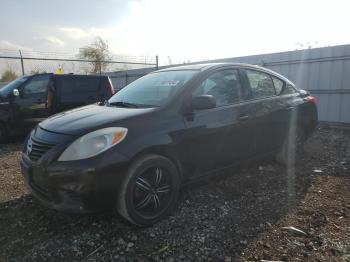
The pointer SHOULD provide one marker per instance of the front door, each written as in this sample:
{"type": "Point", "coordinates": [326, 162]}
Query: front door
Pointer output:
{"type": "Point", "coordinates": [32, 102]}
{"type": "Point", "coordinates": [219, 137]}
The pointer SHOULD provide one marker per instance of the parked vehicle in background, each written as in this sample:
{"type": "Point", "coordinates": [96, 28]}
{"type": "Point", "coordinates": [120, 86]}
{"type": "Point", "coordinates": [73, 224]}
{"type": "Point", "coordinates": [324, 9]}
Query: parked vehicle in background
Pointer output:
{"type": "Point", "coordinates": [162, 130]}
{"type": "Point", "coordinates": [30, 99]}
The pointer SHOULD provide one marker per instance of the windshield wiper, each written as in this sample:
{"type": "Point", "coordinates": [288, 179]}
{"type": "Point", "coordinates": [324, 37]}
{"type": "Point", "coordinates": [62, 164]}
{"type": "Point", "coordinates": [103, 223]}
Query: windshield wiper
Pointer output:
{"type": "Point", "coordinates": [123, 104]}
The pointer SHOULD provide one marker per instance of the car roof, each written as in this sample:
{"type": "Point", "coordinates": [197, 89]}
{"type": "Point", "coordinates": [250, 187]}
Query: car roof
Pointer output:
{"type": "Point", "coordinates": [73, 75]}
{"type": "Point", "coordinates": [208, 66]}
{"type": "Point", "coordinates": [205, 66]}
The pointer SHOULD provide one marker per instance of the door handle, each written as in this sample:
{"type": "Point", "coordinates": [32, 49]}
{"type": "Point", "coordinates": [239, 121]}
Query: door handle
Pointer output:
{"type": "Point", "coordinates": [243, 117]}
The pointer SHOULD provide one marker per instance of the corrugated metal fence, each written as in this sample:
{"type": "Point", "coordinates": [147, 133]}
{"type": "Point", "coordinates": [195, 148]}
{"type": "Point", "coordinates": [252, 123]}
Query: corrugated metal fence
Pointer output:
{"type": "Point", "coordinates": [325, 72]}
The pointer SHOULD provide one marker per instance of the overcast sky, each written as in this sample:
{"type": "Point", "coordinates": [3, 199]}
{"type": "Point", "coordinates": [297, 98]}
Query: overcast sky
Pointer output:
{"type": "Point", "coordinates": [184, 30]}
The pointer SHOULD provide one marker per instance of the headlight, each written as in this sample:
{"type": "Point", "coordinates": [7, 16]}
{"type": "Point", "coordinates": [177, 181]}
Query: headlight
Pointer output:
{"type": "Point", "coordinates": [93, 143]}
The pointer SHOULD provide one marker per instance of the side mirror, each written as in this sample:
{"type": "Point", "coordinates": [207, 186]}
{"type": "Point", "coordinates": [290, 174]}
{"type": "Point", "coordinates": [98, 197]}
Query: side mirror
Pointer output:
{"type": "Point", "coordinates": [203, 102]}
{"type": "Point", "coordinates": [303, 93]}
{"type": "Point", "coordinates": [15, 92]}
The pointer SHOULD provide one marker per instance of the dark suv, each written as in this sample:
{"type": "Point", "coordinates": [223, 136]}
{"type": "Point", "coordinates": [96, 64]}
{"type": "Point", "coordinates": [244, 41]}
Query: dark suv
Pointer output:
{"type": "Point", "coordinates": [29, 99]}
{"type": "Point", "coordinates": [163, 130]}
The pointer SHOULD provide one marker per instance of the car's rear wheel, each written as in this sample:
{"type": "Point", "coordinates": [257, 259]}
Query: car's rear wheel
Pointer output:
{"type": "Point", "coordinates": [293, 145]}
{"type": "Point", "coordinates": [149, 190]}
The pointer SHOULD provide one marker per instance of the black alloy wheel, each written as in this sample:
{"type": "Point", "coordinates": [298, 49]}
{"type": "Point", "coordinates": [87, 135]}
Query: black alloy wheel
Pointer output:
{"type": "Point", "coordinates": [149, 190]}
{"type": "Point", "coordinates": [152, 191]}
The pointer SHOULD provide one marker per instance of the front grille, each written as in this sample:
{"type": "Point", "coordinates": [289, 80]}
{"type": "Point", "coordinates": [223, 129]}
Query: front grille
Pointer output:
{"type": "Point", "coordinates": [39, 149]}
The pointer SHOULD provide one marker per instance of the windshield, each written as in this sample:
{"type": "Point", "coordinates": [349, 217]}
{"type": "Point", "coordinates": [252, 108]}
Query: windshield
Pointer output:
{"type": "Point", "coordinates": [7, 89]}
{"type": "Point", "coordinates": [152, 90]}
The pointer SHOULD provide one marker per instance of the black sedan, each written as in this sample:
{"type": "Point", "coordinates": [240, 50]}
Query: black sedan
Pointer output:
{"type": "Point", "coordinates": [133, 152]}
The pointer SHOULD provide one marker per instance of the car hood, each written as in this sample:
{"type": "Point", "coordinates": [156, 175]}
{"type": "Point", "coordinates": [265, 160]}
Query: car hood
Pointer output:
{"type": "Point", "coordinates": [3, 97]}
{"type": "Point", "coordinates": [81, 120]}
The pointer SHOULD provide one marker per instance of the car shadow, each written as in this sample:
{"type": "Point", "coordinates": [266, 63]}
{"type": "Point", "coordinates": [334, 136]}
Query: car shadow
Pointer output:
{"type": "Point", "coordinates": [216, 214]}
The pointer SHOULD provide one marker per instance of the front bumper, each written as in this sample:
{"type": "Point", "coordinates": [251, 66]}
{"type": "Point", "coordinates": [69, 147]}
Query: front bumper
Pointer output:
{"type": "Point", "coordinates": [82, 186]}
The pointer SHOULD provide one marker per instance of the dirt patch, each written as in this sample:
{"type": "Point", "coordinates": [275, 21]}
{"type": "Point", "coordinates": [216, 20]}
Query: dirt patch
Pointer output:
{"type": "Point", "coordinates": [238, 216]}
{"type": "Point", "coordinates": [323, 216]}
{"type": "Point", "coordinates": [11, 182]}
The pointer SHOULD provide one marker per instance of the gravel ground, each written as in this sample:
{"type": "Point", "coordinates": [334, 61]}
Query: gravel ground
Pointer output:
{"type": "Point", "coordinates": [238, 216]}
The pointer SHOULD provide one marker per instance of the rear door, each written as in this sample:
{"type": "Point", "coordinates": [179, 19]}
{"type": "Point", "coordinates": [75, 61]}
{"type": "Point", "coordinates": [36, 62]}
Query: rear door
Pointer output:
{"type": "Point", "coordinates": [75, 91]}
{"type": "Point", "coordinates": [219, 137]}
{"type": "Point", "coordinates": [272, 111]}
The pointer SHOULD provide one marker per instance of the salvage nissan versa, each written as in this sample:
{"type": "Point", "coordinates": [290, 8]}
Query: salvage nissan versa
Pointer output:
{"type": "Point", "coordinates": [133, 152]}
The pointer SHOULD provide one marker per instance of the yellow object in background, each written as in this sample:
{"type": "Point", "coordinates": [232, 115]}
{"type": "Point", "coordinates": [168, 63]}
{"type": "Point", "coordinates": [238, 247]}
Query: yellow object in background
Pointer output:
{"type": "Point", "coordinates": [59, 71]}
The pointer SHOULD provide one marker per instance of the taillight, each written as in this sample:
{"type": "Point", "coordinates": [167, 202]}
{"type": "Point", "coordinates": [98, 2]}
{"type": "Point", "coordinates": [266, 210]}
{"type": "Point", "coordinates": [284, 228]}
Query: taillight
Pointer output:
{"type": "Point", "coordinates": [110, 86]}
{"type": "Point", "coordinates": [312, 100]}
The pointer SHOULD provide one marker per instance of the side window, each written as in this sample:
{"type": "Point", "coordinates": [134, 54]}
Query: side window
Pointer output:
{"type": "Point", "coordinates": [87, 84]}
{"type": "Point", "coordinates": [289, 89]}
{"type": "Point", "coordinates": [278, 85]}
{"type": "Point", "coordinates": [66, 86]}
{"type": "Point", "coordinates": [261, 84]}
{"type": "Point", "coordinates": [224, 86]}
{"type": "Point", "coordinates": [37, 85]}
{"type": "Point", "coordinates": [78, 86]}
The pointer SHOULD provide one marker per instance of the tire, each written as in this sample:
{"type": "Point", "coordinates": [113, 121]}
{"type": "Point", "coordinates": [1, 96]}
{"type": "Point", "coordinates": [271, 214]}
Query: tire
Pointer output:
{"type": "Point", "coordinates": [293, 145]}
{"type": "Point", "coordinates": [149, 190]}
{"type": "Point", "coordinates": [3, 133]}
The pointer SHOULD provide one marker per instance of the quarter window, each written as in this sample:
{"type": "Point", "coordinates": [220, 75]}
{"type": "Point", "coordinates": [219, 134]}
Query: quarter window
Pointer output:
{"type": "Point", "coordinates": [37, 85]}
{"type": "Point", "coordinates": [224, 86]}
{"type": "Point", "coordinates": [289, 89]}
{"type": "Point", "coordinates": [261, 84]}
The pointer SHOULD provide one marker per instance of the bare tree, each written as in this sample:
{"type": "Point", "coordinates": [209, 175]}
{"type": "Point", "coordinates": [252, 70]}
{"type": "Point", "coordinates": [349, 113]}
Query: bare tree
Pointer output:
{"type": "Point", "coordinates": [8, 75]}
{"type": "Point", "coordinates": [98, 53]}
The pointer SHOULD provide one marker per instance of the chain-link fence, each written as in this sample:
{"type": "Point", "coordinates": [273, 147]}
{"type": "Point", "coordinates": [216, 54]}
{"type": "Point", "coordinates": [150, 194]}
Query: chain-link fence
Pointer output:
{"type": "Point", "coordinates": [121, 79]}
{"type": "Point", "coordinates": [24, 62]}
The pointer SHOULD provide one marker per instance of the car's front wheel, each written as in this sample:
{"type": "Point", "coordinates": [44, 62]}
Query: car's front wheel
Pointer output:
{"type": "Point", "coordinates": [149, 190]}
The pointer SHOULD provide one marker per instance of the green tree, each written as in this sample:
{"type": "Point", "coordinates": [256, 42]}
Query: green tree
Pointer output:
{"type": "Point", "coordinates": [8, 76]}
{"type": "Point", "coordinates": [98, 53]}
